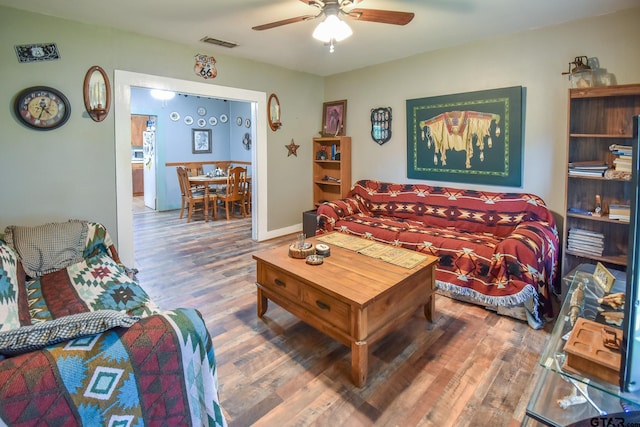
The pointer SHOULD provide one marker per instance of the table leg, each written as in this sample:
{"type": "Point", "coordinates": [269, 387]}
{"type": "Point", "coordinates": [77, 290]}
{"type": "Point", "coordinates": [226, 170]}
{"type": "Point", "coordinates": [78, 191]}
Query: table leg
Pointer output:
{"type": "Point", "coordinates": [206, 203]}
{"type": "Point", "coordinates": [359, 362]}
{"type": "Point", "coordinates": [263, 303]}
{"type": "Point", "coordinates": [430, 308]}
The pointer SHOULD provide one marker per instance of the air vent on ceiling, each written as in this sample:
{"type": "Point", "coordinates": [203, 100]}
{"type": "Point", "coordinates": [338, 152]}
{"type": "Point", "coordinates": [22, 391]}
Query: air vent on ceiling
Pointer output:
{"type": "Point", "coordinates": [218, 42]}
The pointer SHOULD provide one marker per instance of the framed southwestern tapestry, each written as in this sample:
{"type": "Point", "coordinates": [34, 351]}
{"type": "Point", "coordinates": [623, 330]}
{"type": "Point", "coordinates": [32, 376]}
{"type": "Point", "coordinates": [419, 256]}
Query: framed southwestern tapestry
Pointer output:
{"type": "Point", "coordinates": [473, 137]}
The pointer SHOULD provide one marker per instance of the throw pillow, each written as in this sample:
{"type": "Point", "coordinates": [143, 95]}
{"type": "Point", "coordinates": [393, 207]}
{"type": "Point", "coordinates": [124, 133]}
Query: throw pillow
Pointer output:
{"type": "Point", "coordinates": [95, 283]}
{"type": "Point", "coordinates": [49, 247]}
{"type": "Point", "coordinates": [35, 337]}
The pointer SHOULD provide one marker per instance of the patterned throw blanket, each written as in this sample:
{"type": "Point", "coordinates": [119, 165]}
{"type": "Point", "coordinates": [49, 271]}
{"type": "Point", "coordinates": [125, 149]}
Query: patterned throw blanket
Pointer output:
{"type": "Point", "coordinates": [122, 362]}
{"type": "Point", "coordinates": [161, 370]}
{"type": "Point", "coordinates": [497, 249]}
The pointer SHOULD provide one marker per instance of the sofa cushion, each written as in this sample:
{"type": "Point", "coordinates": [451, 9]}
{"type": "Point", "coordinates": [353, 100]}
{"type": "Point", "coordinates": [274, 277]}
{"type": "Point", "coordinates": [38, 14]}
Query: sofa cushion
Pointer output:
{"type": "Point", "coordinates": [49, 247]}
{"type": "Point", "coordinates": [14, 310]}
{"type": "Point", "coordinates": [34, 337]}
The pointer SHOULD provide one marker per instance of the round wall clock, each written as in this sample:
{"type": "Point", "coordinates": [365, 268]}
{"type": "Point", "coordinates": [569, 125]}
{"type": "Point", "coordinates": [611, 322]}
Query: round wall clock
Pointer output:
{"type": "Point", "coordinates": [213, 121]}
{"type": "Point", "coordinates": [224, 118]}
{"type": "Point", "coordinates": [188, 120]}
{"type": "Point", "coordinates": [202, 111]}
{"type": "Point", "coordinates": [239, 121]}
{"type": "Point", "coordinates": [42, 108]}
{"type": "Point", "coordinates": [202, 122]}
{"type": "Point", "coordinates": [175, 116]}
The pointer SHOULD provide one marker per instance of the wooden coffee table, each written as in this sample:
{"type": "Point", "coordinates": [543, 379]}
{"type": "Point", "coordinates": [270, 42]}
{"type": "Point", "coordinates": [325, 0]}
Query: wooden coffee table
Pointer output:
{"type": "Point", "coordinates": [353, 298]}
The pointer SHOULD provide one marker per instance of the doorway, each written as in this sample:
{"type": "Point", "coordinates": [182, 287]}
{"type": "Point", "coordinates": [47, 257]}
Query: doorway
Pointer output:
{"type": "Point", "coordinates": [123, 82]}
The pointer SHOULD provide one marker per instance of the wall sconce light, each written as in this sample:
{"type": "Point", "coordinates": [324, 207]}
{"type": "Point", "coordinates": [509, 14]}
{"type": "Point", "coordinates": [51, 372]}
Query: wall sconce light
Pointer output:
{"type": "Point", "coordinates": [273, 105]}
{"type": "Point", "coordinates": [581, 75]}
{"type": "Point", "coordinates": [97, 93]}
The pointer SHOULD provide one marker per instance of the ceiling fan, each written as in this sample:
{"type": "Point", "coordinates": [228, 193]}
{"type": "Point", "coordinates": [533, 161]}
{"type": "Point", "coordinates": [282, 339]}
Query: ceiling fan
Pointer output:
{"type": "Point", "coordinates": [333, 9]}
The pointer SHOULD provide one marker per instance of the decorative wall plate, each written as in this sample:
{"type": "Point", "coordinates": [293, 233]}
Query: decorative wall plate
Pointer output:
{"type": "Point", "coordinates": [239, 121]}
{"type": "Point", "coordinates": [223, 118]}
{"type": "Point", "coordinates": [188, 120]}
{"type": "Point", "coordinates": [213, 121]}
{"type": "Point", "coordinates": [202, 111]}
{"type": "Point", "coordinates": [247, 123]}
{"type": "Point", "coordinates": [175, 116]}
{"type": "Point", "coordinates": [202, 123]}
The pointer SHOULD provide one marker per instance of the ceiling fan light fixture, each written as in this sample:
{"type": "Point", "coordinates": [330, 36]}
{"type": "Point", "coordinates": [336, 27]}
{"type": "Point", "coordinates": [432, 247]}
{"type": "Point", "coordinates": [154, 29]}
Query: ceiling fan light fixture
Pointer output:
{"type": "Point", "coordinates": [332, 29]}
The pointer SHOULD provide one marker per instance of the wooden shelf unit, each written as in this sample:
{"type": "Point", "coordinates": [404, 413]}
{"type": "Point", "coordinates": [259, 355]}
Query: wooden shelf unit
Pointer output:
{"type": "Point", "coordinates": [597, 118]}
{"type": "Point", "coordinates": [326, 189]}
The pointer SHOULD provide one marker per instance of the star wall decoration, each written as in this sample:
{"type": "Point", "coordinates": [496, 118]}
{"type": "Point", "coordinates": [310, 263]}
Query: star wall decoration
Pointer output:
{"type": "Point", "coordinates": [293, 149]}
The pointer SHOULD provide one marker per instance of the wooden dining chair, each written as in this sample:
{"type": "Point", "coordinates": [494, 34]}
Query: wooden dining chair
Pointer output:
{"type": "Point", "coordinates": [194, 169]}
{"type": "Point", "coordinates": [192, 197]}
{"type": "Point", "coordinates": [235, 191]}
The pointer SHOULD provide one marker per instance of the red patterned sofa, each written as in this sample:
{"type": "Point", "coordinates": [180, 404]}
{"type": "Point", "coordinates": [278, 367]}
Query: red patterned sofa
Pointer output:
{"type": "Point", "coordinates": [499, 250]}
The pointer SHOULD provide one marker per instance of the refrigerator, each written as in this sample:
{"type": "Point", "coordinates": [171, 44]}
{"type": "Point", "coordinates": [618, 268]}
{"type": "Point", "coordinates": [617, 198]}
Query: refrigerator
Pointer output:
{"type": "Point", "coordinates": [149, 164]}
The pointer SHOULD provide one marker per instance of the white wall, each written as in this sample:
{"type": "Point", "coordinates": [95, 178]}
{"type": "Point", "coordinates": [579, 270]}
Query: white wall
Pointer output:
{"type": "Point", "coordinates": [533, 59]}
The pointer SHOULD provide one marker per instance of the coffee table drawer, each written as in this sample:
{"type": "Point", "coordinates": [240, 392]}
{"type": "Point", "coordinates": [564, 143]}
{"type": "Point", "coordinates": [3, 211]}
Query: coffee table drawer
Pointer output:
{"type": "Point", "coordinates": [326, 307]}
{"type": "Point", "coordinates": [280, 282]}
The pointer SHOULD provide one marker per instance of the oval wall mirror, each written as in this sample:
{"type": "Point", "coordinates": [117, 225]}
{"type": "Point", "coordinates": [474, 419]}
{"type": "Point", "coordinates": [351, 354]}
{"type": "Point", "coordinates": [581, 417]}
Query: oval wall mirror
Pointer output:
{"type": "Point", "coordinates": [97, 93]}
{"type": "Point", "coordinates": [274, 112]}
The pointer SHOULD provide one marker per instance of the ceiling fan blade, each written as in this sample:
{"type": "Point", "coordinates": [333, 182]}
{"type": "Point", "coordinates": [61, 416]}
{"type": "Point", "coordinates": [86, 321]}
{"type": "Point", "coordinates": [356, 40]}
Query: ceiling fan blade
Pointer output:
{"type": "Point", "coordinates": [382, 16]}
{"type": "Point", "coordinates": [283, 22]}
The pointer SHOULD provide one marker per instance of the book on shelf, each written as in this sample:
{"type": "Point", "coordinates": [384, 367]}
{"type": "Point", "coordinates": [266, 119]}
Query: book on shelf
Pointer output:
{"type": "Point", "coordinates": [583, 232]}
{"type": "Point", "coordinates": [621, 149]}
{"type": "Point", "coordinates": [585, 243]}
{"type": "Point", "coordinates": [622, 164]}
{"type": "Point", "coordinates": [589, 165]}
{"type": "Point", "coordinates": [586, 239]}
{"type": "Point", "coordinates": [586, 250]}
{"type": "Point", "coordinates": [620, 212]}
{"type": "Point", "coordinates": [582, 172]}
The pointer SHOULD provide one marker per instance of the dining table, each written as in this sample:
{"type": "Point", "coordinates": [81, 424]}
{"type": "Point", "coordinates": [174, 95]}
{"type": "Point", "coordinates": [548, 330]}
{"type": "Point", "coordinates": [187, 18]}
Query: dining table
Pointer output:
{"type": "Point", "coordinates": [207, 181]}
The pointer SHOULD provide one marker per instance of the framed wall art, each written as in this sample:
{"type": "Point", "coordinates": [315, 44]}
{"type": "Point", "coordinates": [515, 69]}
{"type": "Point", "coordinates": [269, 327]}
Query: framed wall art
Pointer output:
{"type": "Point", "coordinates": [334, 118]}
{"type": "Point", "coordinates": [201, 141]}
{"type": "Point", "coordinates": [472, 137]}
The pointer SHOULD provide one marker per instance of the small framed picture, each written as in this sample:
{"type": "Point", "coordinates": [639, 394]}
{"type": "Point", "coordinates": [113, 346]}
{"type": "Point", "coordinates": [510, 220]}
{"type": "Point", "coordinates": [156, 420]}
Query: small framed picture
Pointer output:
{"type": "Point", "coordinates": [603, 277]}
{"type": "Point", "coordinates": [201, 141]}
{"type": "Point", "coordinates": [334, 118]}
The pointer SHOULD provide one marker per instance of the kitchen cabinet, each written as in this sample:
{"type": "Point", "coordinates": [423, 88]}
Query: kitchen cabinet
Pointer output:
{"type": "Point", "coordinates": [138, 125]}
{"type": "Point", "coordinates": [137, 170]}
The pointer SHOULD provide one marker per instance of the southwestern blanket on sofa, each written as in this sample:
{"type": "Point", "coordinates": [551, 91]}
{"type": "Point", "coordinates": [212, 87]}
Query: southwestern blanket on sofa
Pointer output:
{"type": "Point", "coordinates": [81, 343]}
{"type": "Point", "coordinates": [498, 248]}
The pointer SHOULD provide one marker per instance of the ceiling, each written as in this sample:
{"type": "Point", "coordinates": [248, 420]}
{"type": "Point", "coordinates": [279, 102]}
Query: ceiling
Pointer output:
{"type": "Point", "coordinates": [437, 24]}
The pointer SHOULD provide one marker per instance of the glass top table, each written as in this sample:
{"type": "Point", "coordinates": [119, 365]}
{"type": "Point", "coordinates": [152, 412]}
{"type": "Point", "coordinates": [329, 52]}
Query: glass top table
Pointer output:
{"type": "Point", "coordinates": [556, 384]}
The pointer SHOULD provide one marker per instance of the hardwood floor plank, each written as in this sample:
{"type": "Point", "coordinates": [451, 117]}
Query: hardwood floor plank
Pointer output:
{"type": "Point", "coordinates": [471, 367]}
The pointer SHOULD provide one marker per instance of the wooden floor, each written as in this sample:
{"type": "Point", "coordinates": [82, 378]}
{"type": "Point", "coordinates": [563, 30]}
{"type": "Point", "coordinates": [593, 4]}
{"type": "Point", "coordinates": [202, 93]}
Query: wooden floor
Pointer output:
{"type": "Point", "coordinates": [471, 368]}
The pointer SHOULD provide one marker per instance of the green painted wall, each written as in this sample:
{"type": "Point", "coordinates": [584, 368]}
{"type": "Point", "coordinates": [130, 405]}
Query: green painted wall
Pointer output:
{"type": "Point", "coordinates": [70, 172]}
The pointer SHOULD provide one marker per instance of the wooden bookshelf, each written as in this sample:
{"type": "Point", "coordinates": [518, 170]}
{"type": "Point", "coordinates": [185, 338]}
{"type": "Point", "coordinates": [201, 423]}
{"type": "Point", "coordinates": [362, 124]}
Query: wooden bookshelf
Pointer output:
{"type": "Point", "coordinates": [331, 175]}
{"type": "Point", "coordinates": [597, 118]}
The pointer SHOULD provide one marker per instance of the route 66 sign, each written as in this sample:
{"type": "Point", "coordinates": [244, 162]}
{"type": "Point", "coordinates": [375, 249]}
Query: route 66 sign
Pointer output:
{"type": "Point", "coordinates": [205, 66]}
{"type": "Point", "coordinates": [381, 124]}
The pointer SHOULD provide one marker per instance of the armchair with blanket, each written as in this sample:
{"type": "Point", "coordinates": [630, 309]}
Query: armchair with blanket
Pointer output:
{"type": "Point", "coordinates": [81, 343]}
